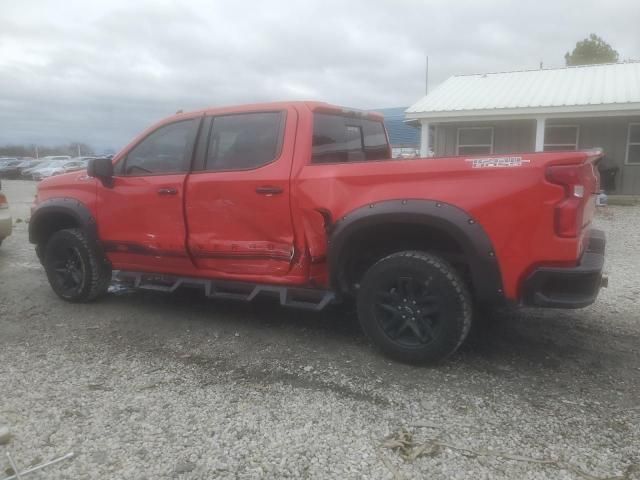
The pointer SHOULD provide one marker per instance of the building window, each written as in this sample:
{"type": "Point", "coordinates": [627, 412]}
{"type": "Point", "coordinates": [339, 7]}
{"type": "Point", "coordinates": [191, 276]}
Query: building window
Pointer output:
{"type": "Point", "coordinates": [561, 138]}
{"type": "Point", "coordinates": [475, 141]}
{"type": "Point", "coordinates": [633, 144]}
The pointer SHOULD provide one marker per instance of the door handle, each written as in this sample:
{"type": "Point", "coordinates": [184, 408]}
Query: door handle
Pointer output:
{"type": "Point", "coordinates": [167, 191]}
{"type": "Point", "coordinates": [268, 190]}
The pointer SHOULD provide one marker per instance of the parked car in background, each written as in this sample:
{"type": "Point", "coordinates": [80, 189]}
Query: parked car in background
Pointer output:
{"type": "Point", "coordinates": [84, 159]}
{"type": "Point", "coordinates": [56, 158]}
{"type": "Point", "coordinates": [28, 171]}
{"type": "Point", "coordinates": [5, 160]}
{"type": "Point", "coordinates": [28, 163]}
{"type": "Point", "coordinates": [9, 169]}
{"type": "Point", "coordinates": [59, 167]}
{"type": "Point", "coordinates": [14, 168]}
{"type": "Point", "coordinates": [5, 218]}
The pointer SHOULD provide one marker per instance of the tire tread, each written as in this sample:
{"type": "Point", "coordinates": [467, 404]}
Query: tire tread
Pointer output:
{"type": "Point", "coordinates": [455, 280]}
{"type": "Point", "coordinates": [99, 270]}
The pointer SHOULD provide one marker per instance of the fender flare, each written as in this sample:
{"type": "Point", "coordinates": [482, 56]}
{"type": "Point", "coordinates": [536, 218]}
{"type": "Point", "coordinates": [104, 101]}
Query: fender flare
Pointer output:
{"type": "Point", "coordinates": [67, 206]}
{"type": "Point", "coordinates": [468, 233]}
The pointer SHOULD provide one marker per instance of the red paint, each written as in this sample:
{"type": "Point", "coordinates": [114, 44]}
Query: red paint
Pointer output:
{"type": "Point", "coordinates": [133, 212]}
{"type": "Point", "coordinates": [219, 226]}
{"type": "Point", "coordinates": [233, 229]}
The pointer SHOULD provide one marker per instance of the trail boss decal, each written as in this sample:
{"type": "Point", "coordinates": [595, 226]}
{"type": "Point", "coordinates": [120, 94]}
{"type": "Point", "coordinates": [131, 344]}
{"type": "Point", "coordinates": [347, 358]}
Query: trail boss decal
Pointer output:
{"type": "Point", "coordinates": [497, 162]}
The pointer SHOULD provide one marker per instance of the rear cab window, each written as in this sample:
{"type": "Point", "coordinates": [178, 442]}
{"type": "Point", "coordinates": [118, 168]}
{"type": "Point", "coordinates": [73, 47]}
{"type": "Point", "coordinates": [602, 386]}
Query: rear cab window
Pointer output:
{"type": "Point", "coordinates": [342, 138]}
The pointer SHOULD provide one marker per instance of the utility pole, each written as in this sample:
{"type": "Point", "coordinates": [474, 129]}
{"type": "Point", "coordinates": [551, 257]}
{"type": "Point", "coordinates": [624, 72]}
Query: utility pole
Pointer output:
{"type": "Point", "coordinates": [426, 76]}
{"type": "Point", "coordinates": [78, 149]}
{"type": "Point", "coordinates": [37, 155]}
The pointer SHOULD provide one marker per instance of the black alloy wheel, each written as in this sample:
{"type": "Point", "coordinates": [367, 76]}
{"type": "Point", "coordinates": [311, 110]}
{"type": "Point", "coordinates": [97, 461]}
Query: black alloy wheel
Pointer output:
{"type": "Point", "coordinates": [414, 306]}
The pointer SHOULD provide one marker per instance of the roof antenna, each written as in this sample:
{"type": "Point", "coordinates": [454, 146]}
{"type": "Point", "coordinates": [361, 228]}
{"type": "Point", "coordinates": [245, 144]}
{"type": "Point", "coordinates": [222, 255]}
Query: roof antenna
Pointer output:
{"type": "Point", "coordinates": [426, 76]}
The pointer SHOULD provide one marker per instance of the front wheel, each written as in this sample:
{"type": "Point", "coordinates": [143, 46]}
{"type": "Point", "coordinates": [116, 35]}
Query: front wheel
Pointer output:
{"type": "Point", "coordinates": [75, 271]}
{"type": "Point", "coordinates": [414, 307]}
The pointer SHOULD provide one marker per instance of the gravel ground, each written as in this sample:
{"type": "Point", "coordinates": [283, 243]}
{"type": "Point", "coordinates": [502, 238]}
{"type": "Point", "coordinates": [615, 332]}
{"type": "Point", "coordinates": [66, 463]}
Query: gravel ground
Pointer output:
{"type": "Point", "coordinates": [147, 385]}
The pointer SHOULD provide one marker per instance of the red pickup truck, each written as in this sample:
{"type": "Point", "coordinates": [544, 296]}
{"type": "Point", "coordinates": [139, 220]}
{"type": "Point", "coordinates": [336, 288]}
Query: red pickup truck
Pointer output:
{"type": "Point", "coordinates": [302, 201]}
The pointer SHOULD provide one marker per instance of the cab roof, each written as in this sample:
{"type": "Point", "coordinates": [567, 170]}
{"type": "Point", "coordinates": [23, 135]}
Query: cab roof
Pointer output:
{"type": "Point", "coordinates": [253, 107]}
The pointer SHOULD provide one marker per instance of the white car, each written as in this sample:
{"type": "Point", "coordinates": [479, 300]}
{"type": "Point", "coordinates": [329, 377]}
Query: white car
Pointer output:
{"type": "Point", "coordinates": [58, 168]}
{"type": "Point", "coordinates": [55, 158]}
{"type": "Point", "coordinates": [5, 218]}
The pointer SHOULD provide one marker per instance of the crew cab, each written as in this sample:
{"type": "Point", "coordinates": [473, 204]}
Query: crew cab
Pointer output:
{"type": "Point", "coordinates": [302, 201]}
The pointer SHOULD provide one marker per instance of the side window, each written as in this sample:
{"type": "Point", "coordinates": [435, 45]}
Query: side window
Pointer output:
{"type": "Point", "coordinates": [163, 151]}
{"type": "Point", "coordinates": [244, 141]}
{"type": "Point", "coordinates": [339, 139]}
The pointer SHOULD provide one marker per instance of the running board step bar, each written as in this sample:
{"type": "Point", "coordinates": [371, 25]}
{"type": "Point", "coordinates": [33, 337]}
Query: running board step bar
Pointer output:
{"type": "Point", "coordinates": [295, 297]}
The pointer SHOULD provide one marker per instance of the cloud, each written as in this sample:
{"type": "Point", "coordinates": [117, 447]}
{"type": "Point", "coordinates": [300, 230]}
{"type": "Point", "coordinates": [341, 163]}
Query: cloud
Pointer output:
{"type": "Point", "coordinates": [100, 72]}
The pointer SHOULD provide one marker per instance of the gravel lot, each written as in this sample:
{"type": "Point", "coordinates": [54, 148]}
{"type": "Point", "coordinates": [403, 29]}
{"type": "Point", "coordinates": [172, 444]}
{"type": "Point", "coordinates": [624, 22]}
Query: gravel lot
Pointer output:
{"type": "Point", "coordinates": [146, 385]}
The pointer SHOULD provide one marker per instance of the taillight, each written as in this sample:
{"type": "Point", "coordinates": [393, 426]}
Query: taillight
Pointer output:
{"type": "Point", "coordinates": [577, 181]}
{"type": "Point", "coordinates": [3, 201]}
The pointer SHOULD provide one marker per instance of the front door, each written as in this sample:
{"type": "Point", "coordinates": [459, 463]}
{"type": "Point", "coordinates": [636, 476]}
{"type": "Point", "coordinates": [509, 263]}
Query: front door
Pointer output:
{"type": "Point", "coordinates": [140, 216]}
{"type": "Point", "coordinates": [238, 211]}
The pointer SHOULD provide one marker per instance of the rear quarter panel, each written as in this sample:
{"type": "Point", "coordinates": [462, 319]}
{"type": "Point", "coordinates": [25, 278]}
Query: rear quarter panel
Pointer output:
{"type": "Point", "coordinates": [514, 205]}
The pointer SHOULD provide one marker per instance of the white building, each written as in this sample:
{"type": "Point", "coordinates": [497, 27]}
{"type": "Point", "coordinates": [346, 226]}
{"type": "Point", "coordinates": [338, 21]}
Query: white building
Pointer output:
{"type": "Point", "coordinates": [539, 110]}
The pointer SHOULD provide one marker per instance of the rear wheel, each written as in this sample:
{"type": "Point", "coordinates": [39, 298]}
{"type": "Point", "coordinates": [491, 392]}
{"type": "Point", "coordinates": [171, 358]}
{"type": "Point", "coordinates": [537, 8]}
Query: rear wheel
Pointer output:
{"type": "Point", "coordinates": [414, 307]}
{"type": "Point", "coordinates": [75, 271]}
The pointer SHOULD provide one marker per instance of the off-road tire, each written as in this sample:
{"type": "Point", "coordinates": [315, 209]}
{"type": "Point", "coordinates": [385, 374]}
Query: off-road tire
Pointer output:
{"type": "Point", "coordinates": [430, 316]}
{"type": "Point", "coordinates": [92, 273]}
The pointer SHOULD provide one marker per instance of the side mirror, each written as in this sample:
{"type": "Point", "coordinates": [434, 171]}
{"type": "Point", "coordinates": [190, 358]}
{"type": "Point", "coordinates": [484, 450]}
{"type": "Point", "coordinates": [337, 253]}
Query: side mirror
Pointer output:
{"type": "Point", "coordinates": [102, 169]}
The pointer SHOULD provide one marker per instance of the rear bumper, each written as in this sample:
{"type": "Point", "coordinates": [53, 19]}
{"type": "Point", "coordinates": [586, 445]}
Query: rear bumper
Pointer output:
{"type": "Point", "coordinates": [575, 287]}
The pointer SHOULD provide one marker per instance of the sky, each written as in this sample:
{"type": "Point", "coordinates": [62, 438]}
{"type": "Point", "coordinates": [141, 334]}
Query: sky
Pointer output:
{"type": "Point", "coordinates": [99, 72]}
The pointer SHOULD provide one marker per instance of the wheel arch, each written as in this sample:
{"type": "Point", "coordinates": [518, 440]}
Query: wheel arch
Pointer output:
{"type": "Point", "coordinates": [59, 213]}
{"type": "Point", "coordinates": [447, 223]}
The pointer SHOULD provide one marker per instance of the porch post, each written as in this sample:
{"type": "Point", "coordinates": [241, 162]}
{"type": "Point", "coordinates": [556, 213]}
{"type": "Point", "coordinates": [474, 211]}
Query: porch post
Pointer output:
{"type": "Point", "coordinates": [424, 139]}
{"type": "Point", "coordinates": [540, 125]}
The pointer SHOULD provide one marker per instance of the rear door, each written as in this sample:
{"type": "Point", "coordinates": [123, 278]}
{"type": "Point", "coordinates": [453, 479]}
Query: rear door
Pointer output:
{"type": "Point", "coordinates": [237, 208]}
{"type": "Point", "coordinates": [141, 216]}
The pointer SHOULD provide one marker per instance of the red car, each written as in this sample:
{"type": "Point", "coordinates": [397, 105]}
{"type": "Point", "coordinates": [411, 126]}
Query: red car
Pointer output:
{"type": "Point", "coordinates": [302, 200]}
